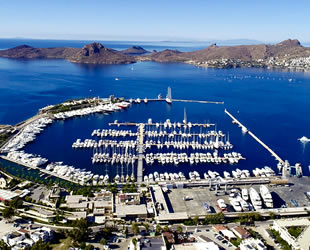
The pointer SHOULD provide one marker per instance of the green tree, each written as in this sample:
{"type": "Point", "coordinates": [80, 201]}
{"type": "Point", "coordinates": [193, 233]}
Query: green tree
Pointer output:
{"type": "Point", "coordinates": [103, 241]}
{"type": "Point", "coordinates": [196, 220]}
{"type": "Point", "coordinates": [16, 203]}
{"type": "Point", "coordinates": [40, 245]}
{"type": "Point", "coordinates": [179, 229]}
{"type": "Point", "coordinates": [158, 229]}
{"type": "Point", "coordinates": [7, 213]}
{"type": "Point", "coordinates": [4, 246]}
{"type": "Point", "coordinates": [166, 229]}
{"type": "Point", "coordinates": [135, 228]}
{"type": "Point", "coordinates": [80, 232]}
{"type": "Point", "coordinates": [89, 247]}
{"type": "Point", "coordinates": [147, 227]}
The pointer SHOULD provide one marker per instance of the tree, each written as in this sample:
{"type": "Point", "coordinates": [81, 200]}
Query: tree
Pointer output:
{"type": "Point", "coordinates": [158, 229]}
{"type": "Point", "coordinates": [179, 229]}
{"type": "Point", "coordinates": [103, 241]}
{"type": "Point", "coordinates": [89, 247]}
{"type": "Point", "coordinates": [4, 246]}
{"type": "Point", "coordinates": [16, 203]}
{"type": "Point", "coordinates": [147, 227]}
{"type": "Point", "coordinates": [196, 220]}
{"type": "Point", "coordinates": [80, 231]}
{"type": "Point", "coordinates": [135, 228]}
{"type": "Point", "coordinates": [7, 213]}
{"type": "Point", "coordinates": [40, 245]}
{"type": "Point", "coordinates": [272, 215]}
{"type": "Point", "coordinates": [166, 229]}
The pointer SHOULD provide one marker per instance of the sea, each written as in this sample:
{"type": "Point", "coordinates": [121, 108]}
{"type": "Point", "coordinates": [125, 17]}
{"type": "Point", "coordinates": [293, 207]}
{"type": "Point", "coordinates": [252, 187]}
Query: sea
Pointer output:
{"type": "Point", "coordinates": [273, 104]}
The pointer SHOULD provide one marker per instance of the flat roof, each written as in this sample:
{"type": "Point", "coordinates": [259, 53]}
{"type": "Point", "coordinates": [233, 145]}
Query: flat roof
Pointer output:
{"type": "Point", "coordinates": [78, 205]}
{"type": "Point", "coordinates": [102, 203]}
{"type": "Point", "coordinates": [124, 210]}
{"type": "Point", "coordinates": [74, 198]}
{"type": "Point", "coordinates": [7, 195]}
{"type": "Point", "coordinates": [173, 216]}
{"type": "Point", "coordinates": [160, 198]}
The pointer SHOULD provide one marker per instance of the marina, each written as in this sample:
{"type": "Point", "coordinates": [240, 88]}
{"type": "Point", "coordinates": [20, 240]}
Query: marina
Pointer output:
{"type": "Point", "coordinates": [131, 148]}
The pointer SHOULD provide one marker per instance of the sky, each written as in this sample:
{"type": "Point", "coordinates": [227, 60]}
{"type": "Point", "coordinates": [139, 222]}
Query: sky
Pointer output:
{"type": "Point", "coordinates": [156, 20]}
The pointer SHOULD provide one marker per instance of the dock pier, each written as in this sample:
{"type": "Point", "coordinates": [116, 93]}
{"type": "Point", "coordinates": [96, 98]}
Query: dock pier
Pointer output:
{"type": "Point", "coordinates": [180, 100]}
{"type": "Point", "coordinates": [140, 154]}
{"type": "Point", "coordinates": [244, 129]}
{"type": "Point", "coordinates": [43, 171]}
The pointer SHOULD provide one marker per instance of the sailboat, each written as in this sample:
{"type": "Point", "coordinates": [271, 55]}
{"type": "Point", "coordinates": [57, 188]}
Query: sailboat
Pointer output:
{"type": "Point", "coordinates": [169, 97]}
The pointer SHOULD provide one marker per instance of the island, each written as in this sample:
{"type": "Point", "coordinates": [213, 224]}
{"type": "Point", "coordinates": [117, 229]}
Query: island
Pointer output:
{"type": "Point", "coordinates": [288, 54]}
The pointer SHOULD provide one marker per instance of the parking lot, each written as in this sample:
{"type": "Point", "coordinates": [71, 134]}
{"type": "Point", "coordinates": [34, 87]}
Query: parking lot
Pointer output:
{"type": "Point", "coordinates": [190, 200]}
{"type": "Point", "coordinates": [39, 193]}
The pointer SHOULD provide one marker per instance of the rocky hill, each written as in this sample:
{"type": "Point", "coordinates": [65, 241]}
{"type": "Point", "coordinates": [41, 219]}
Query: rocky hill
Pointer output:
{"type": "Point", "coordinates": [28, 52]}
{"type": "Point", "coordinates": [135, 50]}
{"type": "Point", "coordinates": [96, 53]}
{"type": "Point", "coordinates": [286, 54]}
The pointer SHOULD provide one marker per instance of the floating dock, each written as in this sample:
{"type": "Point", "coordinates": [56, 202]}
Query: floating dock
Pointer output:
{"type": "Point", "coordinates": [244, 129]}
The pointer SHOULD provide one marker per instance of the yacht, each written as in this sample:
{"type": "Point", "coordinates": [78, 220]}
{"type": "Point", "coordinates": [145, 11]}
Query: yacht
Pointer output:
{"type": "Point", "coordinates": [206, 207]}
{"type": "Point", "coordinates": [304, 139]}
{"type": "Point", "coordinates": [168, 97]}
{"type": "Point", "coordinates": [255, 199]}
{"type": "Point", "coordinates": [266, 195]}
{"type": "Point", "coordinates": [236, 204]}
{"type": "Point", "coordinates": [222, 205]}
{"type": "Point", "coordinates": [245, 194]}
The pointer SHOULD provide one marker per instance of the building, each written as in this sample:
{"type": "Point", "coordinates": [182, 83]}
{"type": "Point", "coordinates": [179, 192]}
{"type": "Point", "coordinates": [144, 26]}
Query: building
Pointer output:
{"type": "Point", "coordinates": [131, 212]}
{"type": "Point", "coordinates": [2, 182]}
{"type": "Point", "coordinates": [251, 244]}
{"type": "Point", "coordinates": [13, 238]}
{"type": "Point", "coordinates": [302, 241]}
{"type": "Point", "coordinates": [225, 232]}
{"type": "Point", "coordinates": [129, 198]}
{"type": "Point", "coordinates": [169, 236]}
{"type": "Point", "coordinates": [196, 246]}
{"type": "Point", "coordinates": [44, 233]}
{"type": "Point", "coordinates": [6, 195]}
{"type": "Point", "coordinates": [241, 232]}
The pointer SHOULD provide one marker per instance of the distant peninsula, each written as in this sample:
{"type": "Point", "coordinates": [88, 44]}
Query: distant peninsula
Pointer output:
{"type": "Point", "coordinates": [288, 54]}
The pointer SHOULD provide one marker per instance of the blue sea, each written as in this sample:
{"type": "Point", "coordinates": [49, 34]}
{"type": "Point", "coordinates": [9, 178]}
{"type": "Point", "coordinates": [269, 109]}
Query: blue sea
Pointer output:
{"type": "Point", "coordinates": [273, 104]}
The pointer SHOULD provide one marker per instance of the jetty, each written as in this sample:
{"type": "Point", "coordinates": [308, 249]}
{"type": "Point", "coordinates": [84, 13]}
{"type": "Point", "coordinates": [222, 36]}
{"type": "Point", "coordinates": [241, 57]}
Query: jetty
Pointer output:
{"type": "Point", "coordinates": [44, 171]}
{"type": "Point", "coordinates": [244, 129]}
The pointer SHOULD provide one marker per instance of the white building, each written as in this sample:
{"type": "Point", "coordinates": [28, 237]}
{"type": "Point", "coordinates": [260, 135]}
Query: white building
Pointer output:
{"type": "Point", "coordinates": [302, 241]}
{"type": "Point", "coordinates": [251, 244]}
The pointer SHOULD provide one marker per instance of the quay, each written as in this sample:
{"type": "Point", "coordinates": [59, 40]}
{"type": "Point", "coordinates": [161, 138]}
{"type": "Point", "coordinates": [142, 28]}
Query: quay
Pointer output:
{"type": "Point", "coordinates": [181, 100]}
{"type": "Point", "coordinates": [140, 154]}
{"type": "Point", "coordinates": [205, 125]}
{"type": "Point", "coordinates": [44, 171]}
{"type": "Point", "coordinates": [254, 136]}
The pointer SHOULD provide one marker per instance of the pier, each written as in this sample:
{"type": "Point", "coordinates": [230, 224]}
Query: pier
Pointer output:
{"type": "Point", "coordinates": [140, 154]}
{"type": "Point", "coordinates": [181, 100]}
{"type": "Point", "coordinates": [44, 171]}
{"type": "Point", "coordinates": [244, 129]}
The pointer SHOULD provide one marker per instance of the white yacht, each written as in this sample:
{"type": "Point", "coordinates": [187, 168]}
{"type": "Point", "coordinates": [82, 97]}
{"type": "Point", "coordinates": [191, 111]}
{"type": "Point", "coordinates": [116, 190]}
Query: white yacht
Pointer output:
{"type": "Point", "coordinates": [266, 195]}
{"type": "Point", "coordinates": [255, 199]}
{"type": "Point", "coordinates": [168, 97]}
{"type": "Point", "coordinates": [304, 139]}
{"type": "Point", "coordinates": [221, 204]}
{"type": "Point", "coordinates": [245, 194]}
{"type": "Point", "coordinates": [236, 204]}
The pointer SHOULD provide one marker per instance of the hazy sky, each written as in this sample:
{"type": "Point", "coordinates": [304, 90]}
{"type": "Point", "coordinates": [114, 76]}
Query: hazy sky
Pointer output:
{"type": "Point", "coordinates": [264, 20]}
